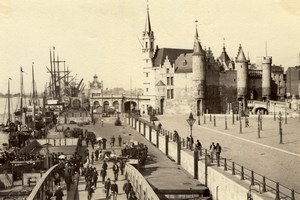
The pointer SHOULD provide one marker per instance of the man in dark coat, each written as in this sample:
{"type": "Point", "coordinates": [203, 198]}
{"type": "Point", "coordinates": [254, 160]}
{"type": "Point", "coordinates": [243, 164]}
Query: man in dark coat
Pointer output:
{"type": "Point", "coordinates": [115, 169]}
{"type": "Point", "coordinates": [107, 186]}
{"type": "Point", "coordinates": [114, 190]}
{"type": "Point", "coordinates": [58, 193]}
{"type": "Point", "coordinates": [127, 188]}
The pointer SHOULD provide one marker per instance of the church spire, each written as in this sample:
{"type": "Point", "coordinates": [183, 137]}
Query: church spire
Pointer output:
{"type": "Point", "coordinates": [148, 24]}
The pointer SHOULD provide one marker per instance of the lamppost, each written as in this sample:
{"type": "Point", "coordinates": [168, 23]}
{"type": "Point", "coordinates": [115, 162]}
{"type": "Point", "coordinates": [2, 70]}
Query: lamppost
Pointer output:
{"type": "Point", "coordinates": [191, 122]}
{"type": "Point", "coordinates": [47, 154]}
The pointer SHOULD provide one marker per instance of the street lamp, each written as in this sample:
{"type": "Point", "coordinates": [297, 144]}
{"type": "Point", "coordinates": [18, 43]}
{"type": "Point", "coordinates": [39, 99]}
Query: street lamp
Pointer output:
{"type": "Point", "coordinates": [191, 122]}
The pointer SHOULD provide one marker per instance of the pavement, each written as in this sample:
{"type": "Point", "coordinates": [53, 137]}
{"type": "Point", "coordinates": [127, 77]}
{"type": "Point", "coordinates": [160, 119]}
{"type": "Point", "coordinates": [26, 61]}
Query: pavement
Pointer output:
{"type": "Point", "coordinates": [264, 155]}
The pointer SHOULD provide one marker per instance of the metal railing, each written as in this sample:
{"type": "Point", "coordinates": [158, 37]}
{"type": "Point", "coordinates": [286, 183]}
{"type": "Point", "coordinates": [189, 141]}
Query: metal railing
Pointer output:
{"type": "Point", "coordinates": [264, 184]}
{"type": "Point", "coordinates": [44, 183]}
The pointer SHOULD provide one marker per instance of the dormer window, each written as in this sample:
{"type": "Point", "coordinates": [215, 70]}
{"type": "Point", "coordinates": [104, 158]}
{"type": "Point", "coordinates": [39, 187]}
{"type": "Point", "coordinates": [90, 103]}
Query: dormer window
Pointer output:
{"type": "Point", "coordinates": [167, 70]}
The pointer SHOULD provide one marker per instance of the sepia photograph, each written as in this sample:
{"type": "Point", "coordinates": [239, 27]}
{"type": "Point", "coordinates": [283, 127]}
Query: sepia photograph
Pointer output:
{"type": "Point", "coordinates": [149, 100]}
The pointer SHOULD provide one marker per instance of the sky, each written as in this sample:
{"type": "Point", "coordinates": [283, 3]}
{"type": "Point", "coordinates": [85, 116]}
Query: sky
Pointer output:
{"type": "Point", "coordinates": [102, 36]}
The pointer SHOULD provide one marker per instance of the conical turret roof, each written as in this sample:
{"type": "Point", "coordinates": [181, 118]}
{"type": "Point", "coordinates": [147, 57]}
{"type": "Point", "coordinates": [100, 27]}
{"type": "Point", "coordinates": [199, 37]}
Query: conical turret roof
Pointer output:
{"type": "Point", "coordinates": [198, 49]}
{"type": "Point", "coordinates": [241, 56]}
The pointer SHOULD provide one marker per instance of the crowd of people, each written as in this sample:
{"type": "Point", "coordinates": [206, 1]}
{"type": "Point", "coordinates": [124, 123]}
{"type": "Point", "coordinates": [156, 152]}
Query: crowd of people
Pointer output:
{"type": "Point", "coordinates": [9, 156]}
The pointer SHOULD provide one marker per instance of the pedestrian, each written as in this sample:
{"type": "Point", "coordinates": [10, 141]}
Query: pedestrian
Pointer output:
{"type": "Point", "coordinates": [198, 145]}
{"type": "Point", "coordinates": [114, 190]}
{"type": "Point", "coordinates": [122, 166]}
{"type": "Point", "coordinates": [175, 136]}
{"type": "Point", "coordinates": [102, 122]}
{"type": "Point", "coordinates": [218, 151]}
{"type": "Point", "coordinates": [104, 165]}
{"type": "Point", "coordinates": [96, 154]}
{"type": "Point", "coordinates": [132, 196]}
{"type": "Point", "coordinates": [92, 158]}
{"type": "Point", "coordinates": [212, 149]}
{"type": "Point", "coordinates": [93, 143]}
{"type": "Point", "coordinates": [107, 185]}
{"type": "Point", "coordinates": [120, 140]}
{"type": "Point", "coordinates": [95, 177]}
{"type": "Point", "coordinates": [246, 122]}
{"type": "Point", "coordinates": [103, 174]}
{"type": "Point", "coordinates": [112, 140]}
{"type": "Point", "coordinates": [100, 143]}
{"type": "Point", "coordinates": [90, 191]}
{"type": "Point", "coordinates": [87, 140]}
{"type": "Point", "coordinates": [104, 143]}
{"type": "Point", "coordinates": [48, 194]}
{"type": "Point", "coordinates": [191, 142]}
{"type": "Point", "coordinates": [58, 193]}
{"type": "Point", "coordinates": [56, 179]}
{"type": "Point", "coordinates": [115, 169]}
{"type": "Point", "coordinates": [159, 126]}
{"type": "Point", "coordinates": [127, 187]}
{"type": "Point", "coordinates": [188, 142]}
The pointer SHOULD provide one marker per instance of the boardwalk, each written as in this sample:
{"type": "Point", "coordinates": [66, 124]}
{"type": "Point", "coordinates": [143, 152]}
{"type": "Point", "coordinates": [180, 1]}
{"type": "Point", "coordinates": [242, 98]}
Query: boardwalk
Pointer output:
{"type": "Point", "coordinates": [99, 192]}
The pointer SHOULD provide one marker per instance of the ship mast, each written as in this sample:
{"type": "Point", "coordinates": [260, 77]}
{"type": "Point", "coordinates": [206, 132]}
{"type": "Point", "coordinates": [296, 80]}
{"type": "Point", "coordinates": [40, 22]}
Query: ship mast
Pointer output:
{"type": "Point", "coordinates": [33, 98]}
{"type": "Point", "coordinates": [21, 96]}
{"type": "Point", "coordinates": [8, 98]}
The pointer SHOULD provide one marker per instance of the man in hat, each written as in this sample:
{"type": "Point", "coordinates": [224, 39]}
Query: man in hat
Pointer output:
{"type": "Point", "coordinates": [58, 193]}
{"type": "Point", "coordinates": [114, 190]}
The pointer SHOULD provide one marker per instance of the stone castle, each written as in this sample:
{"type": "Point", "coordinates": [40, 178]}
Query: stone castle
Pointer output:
{"type": "Point", "coordinates": [193, 80]}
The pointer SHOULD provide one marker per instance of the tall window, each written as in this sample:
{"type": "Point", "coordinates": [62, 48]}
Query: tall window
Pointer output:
{"type": "Point", "coordinates": [147, 74]}
{"type": "Point", "coordinates": [146, 45]}
{"type": "Point", "coordinates": [172, 81]}
{"type": "Point", "coordinates": [147, 89]}
{"type": "Point", "coordinates": [168, 94]}
{"type": "Point", "coordinates": [172, 94]}
{"type": "Point", "coordinates": [168, 80]}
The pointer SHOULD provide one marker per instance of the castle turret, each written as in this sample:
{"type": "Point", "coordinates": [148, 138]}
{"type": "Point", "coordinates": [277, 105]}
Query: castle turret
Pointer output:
{"type": "Point", "coordinates": [242, 79]}
{"type": "Point", "coordinates": [266, 77]}
{"type": "Point", "coordinates": [199, 76]}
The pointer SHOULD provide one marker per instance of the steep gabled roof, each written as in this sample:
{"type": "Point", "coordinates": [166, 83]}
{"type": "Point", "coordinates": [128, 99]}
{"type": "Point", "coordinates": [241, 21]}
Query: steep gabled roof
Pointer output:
{"type": "Point", "coordinates": [160, 83]}
{"type": "Point", "coordinates": [161, 54]}
{"type": "Point", "coordinates": [184, 63]}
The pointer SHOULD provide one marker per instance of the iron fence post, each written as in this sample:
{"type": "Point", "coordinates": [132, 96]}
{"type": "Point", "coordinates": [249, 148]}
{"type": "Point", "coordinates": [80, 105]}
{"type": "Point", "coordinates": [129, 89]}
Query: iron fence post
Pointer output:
{"type": "Point", "coordinates": [252, 177]}
{"type": "Point", "coordinates": [233, 168]}
{"type": "Point", "coordinates": [264, 184]}
{"type": "Point", "coordinates": [225, 164]}
{"type": "Point", "coordinates": [205, 167]}
{"type": "Point", "coordinates": [226, 122]}
{"type": "Point", "coordinates": [242, 173]}
{"type": "Point", "coordinates": [210, 117]}
{"type": "Point", "coordinates": [292, 195]}
{"type": "Point", "coordinates": [277, 192]}
{"type": "Point", "coordinates": [214, 120]}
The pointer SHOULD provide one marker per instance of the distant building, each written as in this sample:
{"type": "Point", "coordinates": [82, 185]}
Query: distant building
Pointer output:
{"type": "Point", "coordinates": [293, 82]}
{"type": "Point", "coordinates": [185, 80]}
